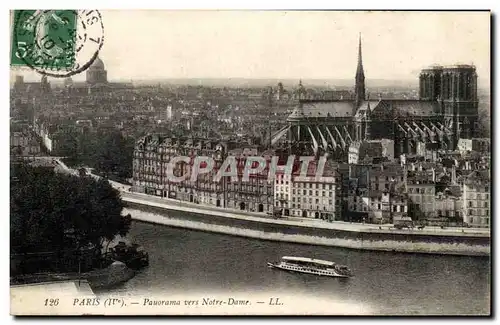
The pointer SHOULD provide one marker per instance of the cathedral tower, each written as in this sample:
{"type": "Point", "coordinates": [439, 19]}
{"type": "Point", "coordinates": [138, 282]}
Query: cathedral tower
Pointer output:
{"type": "Point", "coordinates": [359, 87]}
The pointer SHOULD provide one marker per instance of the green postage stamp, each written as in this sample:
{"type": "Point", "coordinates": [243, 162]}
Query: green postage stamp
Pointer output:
{"type": "Point", "coordinates": [57, 43]}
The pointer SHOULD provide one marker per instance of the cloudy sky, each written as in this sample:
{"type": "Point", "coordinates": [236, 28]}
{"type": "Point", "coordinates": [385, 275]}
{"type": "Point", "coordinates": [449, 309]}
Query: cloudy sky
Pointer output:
{"type": "Point", "coordinates": [147, 44]}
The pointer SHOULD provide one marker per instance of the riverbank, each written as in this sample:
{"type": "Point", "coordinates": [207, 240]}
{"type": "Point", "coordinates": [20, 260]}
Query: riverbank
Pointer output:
{"type": "Point", "coordinates": [470, 242]}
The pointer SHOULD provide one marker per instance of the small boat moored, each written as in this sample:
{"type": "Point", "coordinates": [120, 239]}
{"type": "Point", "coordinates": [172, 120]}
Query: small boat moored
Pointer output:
{"type": "Point", "coordinates": [133, 255]}
{"type": "Point", "coordinates": [312, 266]}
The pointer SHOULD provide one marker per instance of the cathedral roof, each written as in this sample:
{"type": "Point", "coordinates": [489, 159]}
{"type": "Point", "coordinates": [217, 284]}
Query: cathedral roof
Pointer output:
{"type": "Point", "coordinates": [365, 105]}
{"type": "Point", "coordinates": [378, 108]}
{"type": "Point", "coordinates": [403, 107]}
{"type": "Point", "coordinates": [322, 109]}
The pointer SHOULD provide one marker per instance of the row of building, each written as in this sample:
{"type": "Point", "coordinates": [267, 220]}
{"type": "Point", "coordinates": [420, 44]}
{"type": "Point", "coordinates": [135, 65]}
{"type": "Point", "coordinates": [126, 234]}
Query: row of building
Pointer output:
{"type": "Point", "coordinates": [451, 190]}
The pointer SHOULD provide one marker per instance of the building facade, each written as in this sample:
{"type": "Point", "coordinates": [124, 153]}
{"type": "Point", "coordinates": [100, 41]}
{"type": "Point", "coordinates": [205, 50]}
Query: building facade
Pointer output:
{"type": "Point", "coordinates": [152, 156]}
{"type": "Point", "coordinates": [24, 144]}
{"type": "Point", "coordinates": [315, 197]}
{"type": "Point", "coordinates": [476, 199]}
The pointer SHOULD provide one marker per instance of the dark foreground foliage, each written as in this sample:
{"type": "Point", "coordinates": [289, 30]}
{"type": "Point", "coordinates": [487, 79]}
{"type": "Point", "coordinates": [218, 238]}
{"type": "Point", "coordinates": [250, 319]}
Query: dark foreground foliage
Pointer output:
{"type": "Point", "coordinates": [107, 152]}
{"type": "Point", "coordinates": [52, 212]}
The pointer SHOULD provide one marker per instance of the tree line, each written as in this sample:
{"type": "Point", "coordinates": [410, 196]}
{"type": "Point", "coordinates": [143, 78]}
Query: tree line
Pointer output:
{"type": "Point", "coordinates": [109, 153]}
{"type": "Point", "coordinates": [54, 212]}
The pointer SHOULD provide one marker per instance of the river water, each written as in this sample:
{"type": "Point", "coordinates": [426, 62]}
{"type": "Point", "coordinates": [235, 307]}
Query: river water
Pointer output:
{"type": "Point", "coordinates": [184, 261]}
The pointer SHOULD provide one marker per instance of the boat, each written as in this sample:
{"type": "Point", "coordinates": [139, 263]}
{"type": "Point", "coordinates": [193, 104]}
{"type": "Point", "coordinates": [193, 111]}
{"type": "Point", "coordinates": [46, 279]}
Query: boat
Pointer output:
{"type": "Point", "coordinates": [133, 255]}
{"type": "Point", "coordinates": [312, 266]}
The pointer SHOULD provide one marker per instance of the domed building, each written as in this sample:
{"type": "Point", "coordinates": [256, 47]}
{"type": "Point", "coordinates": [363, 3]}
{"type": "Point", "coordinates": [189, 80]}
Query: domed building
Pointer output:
{"type": "Point", "coordinates": [68, 82]}
{"type": "Point", "coordinates": [96, 82]}
{"type": "Point", "coordinates": [96, 73]}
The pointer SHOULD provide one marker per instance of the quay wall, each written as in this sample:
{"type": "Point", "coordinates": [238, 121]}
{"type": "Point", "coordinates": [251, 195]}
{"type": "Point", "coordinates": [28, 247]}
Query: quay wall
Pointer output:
{"type": "Point", "coordinates": [233, 223]}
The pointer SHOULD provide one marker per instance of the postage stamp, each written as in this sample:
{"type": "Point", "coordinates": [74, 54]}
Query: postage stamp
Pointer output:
{"type": "Point", "coordinates": [56, 43]}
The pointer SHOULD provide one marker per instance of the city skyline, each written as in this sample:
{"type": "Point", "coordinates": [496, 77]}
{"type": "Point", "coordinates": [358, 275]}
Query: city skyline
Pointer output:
{"type": "Point", "coordinates": [352, 150]}
{"type": "Point", "coordinates": [273, 45]}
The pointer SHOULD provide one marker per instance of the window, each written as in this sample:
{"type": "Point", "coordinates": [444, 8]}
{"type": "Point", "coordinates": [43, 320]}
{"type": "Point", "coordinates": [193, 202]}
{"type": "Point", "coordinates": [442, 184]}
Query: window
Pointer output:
{"type": "Point", "coordinates": [317, 201]}
{"type": "Point", "coordinates": [323, 193]}
{"type": "Point", "coordinates": [310, 192]}
{"type": "Point", "coordinates": [304, 192]}
{"type": "Point", "coordinates": [485, 204]}
{"type": "Point", "coordinates": [487, 212]}
{"type": "Point", "coordinates": [317, 193]}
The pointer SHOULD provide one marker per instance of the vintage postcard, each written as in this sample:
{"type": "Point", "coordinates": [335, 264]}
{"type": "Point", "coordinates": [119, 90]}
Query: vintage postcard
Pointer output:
{"type": "Point", "coordinates": [170, 162]}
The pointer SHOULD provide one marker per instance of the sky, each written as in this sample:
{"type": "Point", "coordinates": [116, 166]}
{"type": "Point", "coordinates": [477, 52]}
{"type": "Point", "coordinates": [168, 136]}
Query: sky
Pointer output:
{"type": "Point", "coordinates": [155, 44]}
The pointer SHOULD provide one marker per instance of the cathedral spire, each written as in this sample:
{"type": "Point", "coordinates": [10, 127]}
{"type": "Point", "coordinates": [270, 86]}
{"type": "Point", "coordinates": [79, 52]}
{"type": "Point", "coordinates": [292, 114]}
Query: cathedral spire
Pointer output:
{"type": "Point", "coordinates": [360, 77]}
{"type": "Point", "coordinates": [359, 71]}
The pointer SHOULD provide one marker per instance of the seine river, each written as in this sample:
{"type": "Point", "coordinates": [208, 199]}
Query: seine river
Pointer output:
{"type": "Point", "coordinates": [385, 283]}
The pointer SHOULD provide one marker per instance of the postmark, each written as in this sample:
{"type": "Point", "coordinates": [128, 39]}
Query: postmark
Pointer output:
{"type": "Point", "coordinates": [57, 43]}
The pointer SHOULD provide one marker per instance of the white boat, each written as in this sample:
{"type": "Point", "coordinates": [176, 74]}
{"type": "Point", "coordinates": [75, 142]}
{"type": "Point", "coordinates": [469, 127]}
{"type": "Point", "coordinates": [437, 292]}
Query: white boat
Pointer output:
{"type": "Point", "coordinates": [312, 266]}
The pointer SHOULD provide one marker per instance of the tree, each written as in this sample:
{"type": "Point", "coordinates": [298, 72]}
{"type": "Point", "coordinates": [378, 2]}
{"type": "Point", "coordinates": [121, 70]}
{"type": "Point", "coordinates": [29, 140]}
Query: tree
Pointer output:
{"type": "Point", "coordinates": [114, 155]}
{"type": "Point", "coordinates": [55, 212]}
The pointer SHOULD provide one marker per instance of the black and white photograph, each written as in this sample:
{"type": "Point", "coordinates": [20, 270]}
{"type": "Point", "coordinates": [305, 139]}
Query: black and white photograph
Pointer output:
{"type": "Point", "coordinates": [250, 162]}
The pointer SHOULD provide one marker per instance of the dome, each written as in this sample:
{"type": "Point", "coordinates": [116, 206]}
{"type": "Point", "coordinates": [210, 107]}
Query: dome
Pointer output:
{"type": "Point", "coordinates": [97, 64]}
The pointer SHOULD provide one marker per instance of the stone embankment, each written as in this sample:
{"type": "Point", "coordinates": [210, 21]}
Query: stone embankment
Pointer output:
{"type": "Point", "coordinates": [433, 240]}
